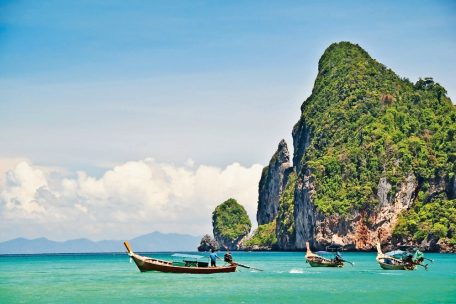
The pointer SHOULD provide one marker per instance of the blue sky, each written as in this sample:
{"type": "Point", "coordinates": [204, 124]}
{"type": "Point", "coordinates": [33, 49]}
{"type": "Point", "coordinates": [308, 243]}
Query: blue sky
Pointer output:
{"type": "Point", "coordinates": [88, 82]}
{"type": "Point", "coordinates": [87, 85]}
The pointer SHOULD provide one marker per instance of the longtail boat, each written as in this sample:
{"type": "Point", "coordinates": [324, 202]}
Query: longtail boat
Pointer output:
{"type": "Point", "coordinates": [182, 263]}
{"type": "Point", "coordinates": [317, 260]}
{"type": "Point", "coordinates": [400, 260]}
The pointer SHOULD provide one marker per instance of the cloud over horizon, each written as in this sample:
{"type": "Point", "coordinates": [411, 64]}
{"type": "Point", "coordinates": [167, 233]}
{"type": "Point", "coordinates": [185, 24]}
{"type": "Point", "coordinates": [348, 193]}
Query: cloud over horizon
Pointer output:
{"type": "Point", "coordinates": [127, 200]}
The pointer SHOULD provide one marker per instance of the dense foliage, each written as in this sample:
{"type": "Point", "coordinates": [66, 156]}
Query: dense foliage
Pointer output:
{"type": "Point", "coordinates": [435, 219]}
{"type": "Point", "coordinates": [367, 123]}
{"type": "Point", "coordinates": [285, 214]}
{"type": "Point", "coordinates": [263, 236]}
{"type": "Point", "coordinates": [230, 220]}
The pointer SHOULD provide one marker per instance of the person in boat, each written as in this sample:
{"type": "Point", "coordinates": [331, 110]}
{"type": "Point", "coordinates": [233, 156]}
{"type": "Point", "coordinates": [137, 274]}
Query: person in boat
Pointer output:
{"type": "Point", "coordinates": [228, 258]}
{"type": "Point", "coordinates": [213, 255]}
{"type": "Point", "coordinates": [408, 259]}
{"type": "Point", "coordinates": [338, 258]}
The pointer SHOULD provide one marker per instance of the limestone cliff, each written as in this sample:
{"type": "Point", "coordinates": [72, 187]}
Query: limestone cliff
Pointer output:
{"type": "Point", "coordinates": [374, 160]}
{"type": "Point", "coordinates": [272, 182]}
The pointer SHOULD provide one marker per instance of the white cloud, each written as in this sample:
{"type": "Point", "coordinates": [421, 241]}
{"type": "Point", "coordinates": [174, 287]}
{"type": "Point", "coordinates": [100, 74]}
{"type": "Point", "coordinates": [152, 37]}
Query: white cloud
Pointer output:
{"type": "Point", "coordinates": [21, 187]}
{"type": "Point", "coordinates": [6, 164]}
{"type": "Point", "coordinates": [127, 200]}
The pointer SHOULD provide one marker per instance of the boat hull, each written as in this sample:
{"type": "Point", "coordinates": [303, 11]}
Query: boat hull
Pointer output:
{"type": "Point", "coordinates": [391, 263]}
{"type": "Point", "coordinates": [316, 260]}
{"type": "Point", "coordinates": [148, 264]}
{"type": "Point", "coordinates": [316, 264]}
{"type": "Point", "coordinates": [388, 266]}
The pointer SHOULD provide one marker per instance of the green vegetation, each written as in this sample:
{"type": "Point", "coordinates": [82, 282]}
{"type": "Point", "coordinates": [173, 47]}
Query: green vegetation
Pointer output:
{"type": "Point", "coordinates": [263, 236]}
{"type": "Point", "coordinates": [285, 214]}
{"type": "Point", "coordinates": [230, 220]}
{"type": "Point", "coordinates": [266, 235]}
{"type": "Point", "coordinates": [436, 219]}
{"type": "Point", "coordinates": [368, 123]}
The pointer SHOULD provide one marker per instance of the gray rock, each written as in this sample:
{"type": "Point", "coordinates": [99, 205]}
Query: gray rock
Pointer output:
{"type": "Point", "coordinates": [301, 140]}
{"type": "Point", "coordinates": [207, 243]}
{"type": "Point", "coordinates": [272, 183]}
{"type": "Point", "coordinates": [305, 213]}
{"type": "Point", "coordinates": [451, 187]}
{"type": "Point", "coordinates": [383, 190]}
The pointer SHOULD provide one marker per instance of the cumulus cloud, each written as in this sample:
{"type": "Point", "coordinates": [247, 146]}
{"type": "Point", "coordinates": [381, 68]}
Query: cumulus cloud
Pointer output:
{"type": "Point", "coordinates": [127, 200]}
{"type": "Point", "coordinates": [6, 163]}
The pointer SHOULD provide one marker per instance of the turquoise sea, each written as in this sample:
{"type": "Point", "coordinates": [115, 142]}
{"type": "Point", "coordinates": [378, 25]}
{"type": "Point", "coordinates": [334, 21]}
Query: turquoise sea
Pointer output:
{"type": "Point", "coordinates": [111, 278]}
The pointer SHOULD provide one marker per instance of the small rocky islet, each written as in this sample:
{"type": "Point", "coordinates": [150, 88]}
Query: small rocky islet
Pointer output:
{"type": "Point", "coordinates": [231, 225]}
{"type": "Point", "coordinates": [374, 161]}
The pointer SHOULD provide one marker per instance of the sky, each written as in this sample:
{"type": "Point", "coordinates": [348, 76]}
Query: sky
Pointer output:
{"type": "Point", "coordinates": [118, 118]}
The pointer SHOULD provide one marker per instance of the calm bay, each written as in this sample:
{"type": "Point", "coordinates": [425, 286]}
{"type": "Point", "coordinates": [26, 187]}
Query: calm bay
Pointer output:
{"type": "Point", "coordinates": [95, 278]}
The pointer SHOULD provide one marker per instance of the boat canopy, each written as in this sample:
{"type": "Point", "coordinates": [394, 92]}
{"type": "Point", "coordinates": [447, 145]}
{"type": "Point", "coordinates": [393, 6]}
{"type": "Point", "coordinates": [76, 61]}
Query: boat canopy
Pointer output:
{"type": "Point", "coordinates": [395, 253]}
{"type": "Point", "coordinates": [189, 257]}
{"type": "Point", "coordinates": [328, 253]}
{"type": "Point", "coordinates": [399, 254]}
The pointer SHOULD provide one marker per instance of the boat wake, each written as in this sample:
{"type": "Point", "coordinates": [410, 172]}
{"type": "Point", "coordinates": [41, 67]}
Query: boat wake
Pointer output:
{"type": "Point", "coordinates": [390, 273]}
{"type": "Point", "coordinates": [296, 270]}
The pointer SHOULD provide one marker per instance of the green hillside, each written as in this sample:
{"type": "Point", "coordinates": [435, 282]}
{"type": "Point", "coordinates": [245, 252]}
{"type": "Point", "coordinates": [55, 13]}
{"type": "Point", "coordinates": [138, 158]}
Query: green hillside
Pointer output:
{"type": "Point", "coordinates": [366, 123]}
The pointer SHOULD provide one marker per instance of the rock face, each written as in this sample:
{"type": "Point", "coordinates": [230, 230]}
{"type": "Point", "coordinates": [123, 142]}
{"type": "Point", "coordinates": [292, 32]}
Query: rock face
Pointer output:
{"type": "Point", "coordinates": [230, 224]}
{"type": "Point", "coordinates": [273, 180]}
{"type": "Point", "coordinates": [366, 168]}
{"type": "Point", "coordinates": [285, 224]}
{"type": "Point", "coordinates": [361, 229]}
{"type": "Point", "coordinates": [208, 243]}
{"type": "Point", "coordinates": [305, 212]}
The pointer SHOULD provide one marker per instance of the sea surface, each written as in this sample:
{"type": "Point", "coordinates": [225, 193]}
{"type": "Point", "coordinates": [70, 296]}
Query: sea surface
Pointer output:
{"type": "Point", "coordinates": [111, 278]}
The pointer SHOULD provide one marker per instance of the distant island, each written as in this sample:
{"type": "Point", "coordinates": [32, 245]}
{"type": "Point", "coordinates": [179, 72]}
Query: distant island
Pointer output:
{"type": "Point", "coordinates": [374, 161]}
{"type": "Point", "coordinates": [152, 242]}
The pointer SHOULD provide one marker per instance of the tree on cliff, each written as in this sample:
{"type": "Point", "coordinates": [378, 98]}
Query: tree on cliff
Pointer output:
{"type": "Point", "coordinates": [230, 224]}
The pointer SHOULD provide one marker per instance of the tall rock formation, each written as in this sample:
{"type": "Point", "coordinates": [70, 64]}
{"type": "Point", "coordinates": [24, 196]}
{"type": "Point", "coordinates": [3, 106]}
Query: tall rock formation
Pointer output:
{"type": "Point", "coordinates": [230, 224]}
{"type": "Point", "coordinates": [285, 225]}
{"type": "Point", "coordinates": [273, 180]}
{"type": "Point", "coordinates": [374, 160]}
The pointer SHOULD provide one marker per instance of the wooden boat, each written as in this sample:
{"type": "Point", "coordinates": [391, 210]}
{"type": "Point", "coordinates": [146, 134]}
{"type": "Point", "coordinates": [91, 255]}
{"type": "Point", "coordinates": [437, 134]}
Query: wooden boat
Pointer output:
{"type": "Point", "coordinates": [399, 260]}
{"type": "Point", "coordinates": [185, 264]}
{"type": "Point", "coordinates": [316, 260]}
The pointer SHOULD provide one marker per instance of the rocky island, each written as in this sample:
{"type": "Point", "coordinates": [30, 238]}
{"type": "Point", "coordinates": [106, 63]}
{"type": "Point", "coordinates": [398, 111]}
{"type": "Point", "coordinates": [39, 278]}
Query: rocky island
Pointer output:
{"type": "Point", "coordinates": [231, 224]}
{"type": "Point", "coordinates": [374, 160]}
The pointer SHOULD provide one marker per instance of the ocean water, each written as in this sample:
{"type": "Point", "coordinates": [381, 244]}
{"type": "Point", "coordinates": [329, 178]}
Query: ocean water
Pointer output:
{"type": "Point", "coordinates": [111, 278]}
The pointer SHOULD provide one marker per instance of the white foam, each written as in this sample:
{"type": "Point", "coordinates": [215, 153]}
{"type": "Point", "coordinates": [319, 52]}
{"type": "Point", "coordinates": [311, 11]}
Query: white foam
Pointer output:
{"type": "Point", "coordinates": [390, 273]}
{"type": "Point", "coordinates": [296, 270]}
